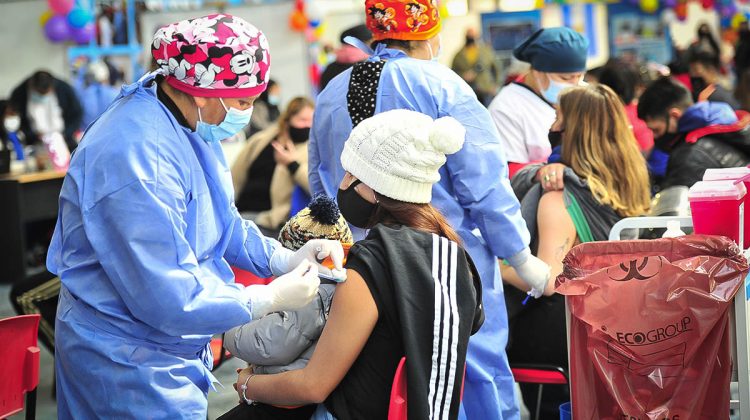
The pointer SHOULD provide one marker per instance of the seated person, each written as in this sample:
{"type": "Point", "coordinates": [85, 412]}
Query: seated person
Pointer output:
{"type": "Point", "coordinates": [705, 78]}
{"type": "Point", "coordinates": [272, 164]}
{"type": "Point", "coordinates": [690, 138]}
{"type": "Point", "coordinates": [605, 180]}
{"type": "Point", "coordinates": [402, 283]}
{"type": "Point", "coordinates": [283, 341]}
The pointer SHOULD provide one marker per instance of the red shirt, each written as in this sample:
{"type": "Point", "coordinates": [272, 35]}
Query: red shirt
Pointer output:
{"type": "Point", "coordinates": [643, 135]}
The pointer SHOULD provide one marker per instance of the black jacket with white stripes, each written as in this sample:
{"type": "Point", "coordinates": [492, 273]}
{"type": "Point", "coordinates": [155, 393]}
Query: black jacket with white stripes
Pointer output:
{"type": "Point", "coordinates": [428, 295]}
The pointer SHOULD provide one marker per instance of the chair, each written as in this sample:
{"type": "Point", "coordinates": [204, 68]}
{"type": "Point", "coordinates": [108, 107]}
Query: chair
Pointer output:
{"type": "Point", "coordinates": [19, 363]}
{"type": "Point", "coordinates": [397, 408]}
{"type": "Point", "coordinates": [541, 375]}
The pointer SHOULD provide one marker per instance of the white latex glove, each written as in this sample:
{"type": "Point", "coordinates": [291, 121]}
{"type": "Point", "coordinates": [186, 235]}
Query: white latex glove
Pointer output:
{"type": "Point", "coordinates": [288, 292]}
{"type": "Point", "coordinates": [533, 271]}
{"type": "Point", "coordinates": [314, 251]}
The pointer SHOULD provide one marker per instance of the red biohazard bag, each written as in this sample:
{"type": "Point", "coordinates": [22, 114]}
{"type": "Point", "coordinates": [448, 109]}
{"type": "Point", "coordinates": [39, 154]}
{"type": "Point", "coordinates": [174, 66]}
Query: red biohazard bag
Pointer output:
{"type": "Point", "coordinates": [649, 327]}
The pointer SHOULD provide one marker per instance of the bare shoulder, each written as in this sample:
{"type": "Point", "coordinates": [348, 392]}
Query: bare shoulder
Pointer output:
{"type": "Point", "coordinates": [553, 216]}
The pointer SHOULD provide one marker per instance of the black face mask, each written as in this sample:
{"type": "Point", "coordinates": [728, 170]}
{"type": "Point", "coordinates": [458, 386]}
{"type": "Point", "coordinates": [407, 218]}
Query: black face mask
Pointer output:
{"type": "Point", "coordinates": [355, 209]}
{"type": "Point", "coordinates": [699, 85]}
{"type": "Point", "coordinates": [555, 138]}
{"type": "Point", "coordinates": [470, 40]}
{"type": "Point", "coordinates": [666, 140]}
{"type": "Point", "coordinates": [299, 135]}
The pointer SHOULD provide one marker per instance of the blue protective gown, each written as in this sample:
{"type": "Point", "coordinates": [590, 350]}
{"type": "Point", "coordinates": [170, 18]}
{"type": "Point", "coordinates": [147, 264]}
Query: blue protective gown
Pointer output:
{"type": "Point", "coordinates": [474, 194]}
{"type": "Point", "coordinates": [146, 232]}
{"type": "Point", "coordinates": [95, 99]}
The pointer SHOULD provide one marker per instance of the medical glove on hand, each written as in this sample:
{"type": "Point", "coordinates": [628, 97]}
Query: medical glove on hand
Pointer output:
{"type": "Point", "coordinates": [288, 292]}
{"type": "Point", "coordinates": [314, 251]}
{"type": "Point", "coordinates": [533, 271]}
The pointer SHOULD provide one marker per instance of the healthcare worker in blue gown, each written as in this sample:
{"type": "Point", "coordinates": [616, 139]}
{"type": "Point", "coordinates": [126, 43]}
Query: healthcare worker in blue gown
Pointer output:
{"type": "Point", "coordinates": [474, 192]}
{"type": "Point", "coordinates": [147, 231]}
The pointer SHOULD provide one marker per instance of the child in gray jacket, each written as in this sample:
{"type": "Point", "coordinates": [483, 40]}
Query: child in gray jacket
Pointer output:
{"type": "Point", "coordinates": [284, 341]}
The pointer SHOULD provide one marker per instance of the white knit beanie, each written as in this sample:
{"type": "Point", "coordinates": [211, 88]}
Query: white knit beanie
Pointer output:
{"type": "Point", "coordinates": [398, 153]}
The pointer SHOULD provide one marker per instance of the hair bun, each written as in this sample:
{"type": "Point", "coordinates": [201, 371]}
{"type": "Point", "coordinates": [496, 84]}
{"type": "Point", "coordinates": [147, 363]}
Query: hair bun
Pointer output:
{"type": "Point", "coordinates": [447, 135]}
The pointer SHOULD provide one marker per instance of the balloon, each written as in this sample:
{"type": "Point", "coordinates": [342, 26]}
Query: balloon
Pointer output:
{"type": "Point", "coordinates": [726, 12]}
{"type": "Point", "coordinates": [681, 11]}
{"type": "Point", "coordinates": [83, 35]}
{"type": "Point", "coordinates": [61, 7]}
{"type": "Point", "coordinates": [707, 4]}
{"type": "Point", "coordinates": [737, 19]}
{"type": "Point", "coordinates": [57, 29]}
{"type": "Point", "coordinates": [669, 3]}
{"type": "Point", "coordinates": [649, 6]}
{"type": "Point", "coordinates": [78, 18]}
{"type": "Point", "coordinates": [319, 30]}
{"type": "Point", "coordinates": [45, 17]}
{"type": "Point", "coordinates": [297, 21]}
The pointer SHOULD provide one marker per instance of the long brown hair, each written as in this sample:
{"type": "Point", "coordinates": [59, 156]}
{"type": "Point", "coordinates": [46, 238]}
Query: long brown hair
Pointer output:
{"type": "Point", "coordinates": [598, 144]}
{"type": "Point", "coordinates": [295, 106]}
{"type": "Point", "coordinates": [422, 217]}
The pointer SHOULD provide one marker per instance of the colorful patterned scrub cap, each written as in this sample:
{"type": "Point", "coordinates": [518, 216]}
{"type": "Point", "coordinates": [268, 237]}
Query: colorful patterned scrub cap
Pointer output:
{"type": "Point", "coordinates": [406, 20]}
{"type": "Point", "coordinates": [220, 56]}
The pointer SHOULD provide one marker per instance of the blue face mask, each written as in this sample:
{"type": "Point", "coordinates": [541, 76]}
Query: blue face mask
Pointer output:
{"type": "Point", "coordinates": [40, 98]}
{"type": "Point", "coordinates": [274, 100]}
{"type": "Point", "coordinates": [234, 121]}
{"type": "Point", "coordinates": [552, 93]}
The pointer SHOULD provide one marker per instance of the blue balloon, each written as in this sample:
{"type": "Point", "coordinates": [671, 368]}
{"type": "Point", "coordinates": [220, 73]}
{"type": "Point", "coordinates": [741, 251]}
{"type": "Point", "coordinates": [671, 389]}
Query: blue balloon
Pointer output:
{"type": "Point", "coordinates": [78, 17]}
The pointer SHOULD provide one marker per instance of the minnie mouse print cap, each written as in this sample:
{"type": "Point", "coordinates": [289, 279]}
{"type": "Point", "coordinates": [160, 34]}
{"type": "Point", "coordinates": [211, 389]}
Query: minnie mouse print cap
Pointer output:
{"type": "Point", "coordinates": [219, 56]}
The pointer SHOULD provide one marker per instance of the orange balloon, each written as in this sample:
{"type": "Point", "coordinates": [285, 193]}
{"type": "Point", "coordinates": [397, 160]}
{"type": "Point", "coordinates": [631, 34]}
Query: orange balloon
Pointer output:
{"type": "Point", "coordinates": [681, 11]}
{"type": "Point", "coordinates": [298, 21]}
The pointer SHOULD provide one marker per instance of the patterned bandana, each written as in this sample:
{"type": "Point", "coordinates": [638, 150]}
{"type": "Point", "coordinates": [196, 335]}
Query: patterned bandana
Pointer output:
{"type": "Point", "coordinates": [407, 20]}
{"type": "Point", "coordinates": [213, 56]}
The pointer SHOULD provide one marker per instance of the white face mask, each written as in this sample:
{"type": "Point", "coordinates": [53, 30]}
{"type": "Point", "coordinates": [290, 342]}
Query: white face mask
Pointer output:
{"type": "Point", "coordinates": [12, 123]}
{"type": "Point", "coordinates": [433, 56]}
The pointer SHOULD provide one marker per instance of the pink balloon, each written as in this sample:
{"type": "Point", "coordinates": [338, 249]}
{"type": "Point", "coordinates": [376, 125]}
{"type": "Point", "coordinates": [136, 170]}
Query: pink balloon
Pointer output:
{"type": "Point", "coordinates": [82, 35]}
{"type": "Point", "coordinates": [61, 7]}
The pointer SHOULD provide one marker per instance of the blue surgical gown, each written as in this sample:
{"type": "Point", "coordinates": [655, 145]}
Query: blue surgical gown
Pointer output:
{"type": "Point", "coordinates": [95, 99]}
{"type": "Point", "coordinates": [145, 236]}
{"type": "Point", "coordinates": [474, 194]}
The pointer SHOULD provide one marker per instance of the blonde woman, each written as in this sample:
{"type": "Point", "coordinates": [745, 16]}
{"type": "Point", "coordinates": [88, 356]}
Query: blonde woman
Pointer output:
{"type": "Point", "coordinates": [602, 178]}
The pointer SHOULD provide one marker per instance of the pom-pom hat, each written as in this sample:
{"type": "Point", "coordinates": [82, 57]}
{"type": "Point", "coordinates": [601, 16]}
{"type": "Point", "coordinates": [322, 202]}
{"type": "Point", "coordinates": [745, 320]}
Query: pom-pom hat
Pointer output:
{"type": "Point", "coordinates": [398, 153]}
{"type": "Point", "coordinates": [219, 56]}
{"type": "Point", "coordinates": [321, 219]}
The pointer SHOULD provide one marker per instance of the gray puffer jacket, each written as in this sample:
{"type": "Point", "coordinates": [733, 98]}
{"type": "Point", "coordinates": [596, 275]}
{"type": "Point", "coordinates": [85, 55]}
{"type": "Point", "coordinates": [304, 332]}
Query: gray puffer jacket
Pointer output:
{"type": "Point", "coordinates": [282, 341]}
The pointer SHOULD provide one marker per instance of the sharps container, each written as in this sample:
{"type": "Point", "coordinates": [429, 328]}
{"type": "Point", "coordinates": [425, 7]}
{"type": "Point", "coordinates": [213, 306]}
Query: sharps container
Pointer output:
{"type": "Point", "coordinates": [717, 208]}
{"type": "Point", "coordinates": [734, 174]}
